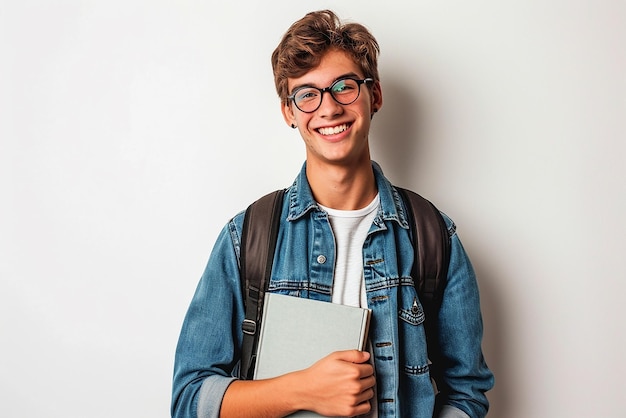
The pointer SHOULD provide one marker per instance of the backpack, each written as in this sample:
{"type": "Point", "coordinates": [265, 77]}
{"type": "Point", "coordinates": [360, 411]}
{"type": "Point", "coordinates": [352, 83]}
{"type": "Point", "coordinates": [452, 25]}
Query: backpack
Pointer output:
{"type": "Point", "coordinates": [429, 235]}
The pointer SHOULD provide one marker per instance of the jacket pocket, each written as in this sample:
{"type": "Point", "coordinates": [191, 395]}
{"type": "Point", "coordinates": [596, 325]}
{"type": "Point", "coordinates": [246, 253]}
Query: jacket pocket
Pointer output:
{"type": "Point", "coordinates": [412, 335]}
{"type": "Point", "coordinates": [413, 315]}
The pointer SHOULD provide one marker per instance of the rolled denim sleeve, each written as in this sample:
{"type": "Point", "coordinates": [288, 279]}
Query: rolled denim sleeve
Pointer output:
{"type": "Point", "coordinates": [213, 387]}
{"type": "Point", "coordinates": [207, 354]}
{"type": "Point", "coordinates": [466, 377]}
{"type": "Point", "coordinates": [451, 412]}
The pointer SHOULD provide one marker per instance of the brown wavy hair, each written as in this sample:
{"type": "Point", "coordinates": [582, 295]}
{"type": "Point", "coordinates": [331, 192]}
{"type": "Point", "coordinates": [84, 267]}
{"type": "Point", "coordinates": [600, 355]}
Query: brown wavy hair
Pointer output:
{"type": "Point", "coordinates": [308, 39]}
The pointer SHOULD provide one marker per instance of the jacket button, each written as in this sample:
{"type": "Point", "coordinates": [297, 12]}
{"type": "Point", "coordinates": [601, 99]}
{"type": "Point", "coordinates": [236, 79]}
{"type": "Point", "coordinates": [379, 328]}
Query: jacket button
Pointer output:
{"type": "Point", "coordinates": [321, 259]}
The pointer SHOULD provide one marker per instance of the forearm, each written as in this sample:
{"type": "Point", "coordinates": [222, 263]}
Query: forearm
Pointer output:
{"type": "Point", "coordinates": [466, 376]}
{"type": "Point", "coordinates": [267, 398]}
{"type": "Point", "coordinates": [340, 384]}
{"type": "Point", "coordinates": [209, 339]}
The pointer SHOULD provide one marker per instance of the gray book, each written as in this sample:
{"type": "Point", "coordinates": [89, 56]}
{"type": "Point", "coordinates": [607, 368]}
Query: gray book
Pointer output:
{"type": "Point", "coordinates": [296, 333]}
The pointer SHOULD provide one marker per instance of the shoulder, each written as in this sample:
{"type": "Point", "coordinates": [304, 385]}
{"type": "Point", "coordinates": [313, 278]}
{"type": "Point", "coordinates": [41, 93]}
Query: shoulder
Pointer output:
{"type": "Point", "coordinates": [265, 207]}
{"type": "Point", "coordinates": [234, 228]}
{"type": "Point", "coordinates": [449, 223]}
{"type": "Point", "coordinates": [425, 205]}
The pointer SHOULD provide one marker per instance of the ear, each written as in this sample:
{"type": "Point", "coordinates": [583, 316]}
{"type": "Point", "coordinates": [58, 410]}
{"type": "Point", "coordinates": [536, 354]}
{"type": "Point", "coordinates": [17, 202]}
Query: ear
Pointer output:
{"type": "Point", "coordinates": [288, 114]}
{"type": "Point", "coordinates": [377, 97]}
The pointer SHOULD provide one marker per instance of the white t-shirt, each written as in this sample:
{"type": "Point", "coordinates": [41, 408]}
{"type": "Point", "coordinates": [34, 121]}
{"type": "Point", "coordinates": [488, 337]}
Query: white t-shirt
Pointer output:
{"type": "Point", "coordinates": [350, 228]}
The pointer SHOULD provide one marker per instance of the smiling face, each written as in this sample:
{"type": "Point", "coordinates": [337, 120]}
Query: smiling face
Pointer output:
{"type": "Point", "coordinates": [334, 133]}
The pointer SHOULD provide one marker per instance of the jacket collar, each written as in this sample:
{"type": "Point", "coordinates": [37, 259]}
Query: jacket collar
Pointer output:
{"type": "Point", "coordinates": [301, 199]}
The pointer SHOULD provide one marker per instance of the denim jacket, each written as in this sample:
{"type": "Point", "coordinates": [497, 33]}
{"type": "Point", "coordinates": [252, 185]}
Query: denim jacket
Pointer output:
{"type": "Point", "coordinates": [208, 351]}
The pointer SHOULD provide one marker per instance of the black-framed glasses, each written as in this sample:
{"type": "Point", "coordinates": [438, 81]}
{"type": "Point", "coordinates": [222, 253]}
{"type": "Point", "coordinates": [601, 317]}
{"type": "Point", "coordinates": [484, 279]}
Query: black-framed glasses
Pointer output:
{"type": "Point", "coordinates": [344, 91]}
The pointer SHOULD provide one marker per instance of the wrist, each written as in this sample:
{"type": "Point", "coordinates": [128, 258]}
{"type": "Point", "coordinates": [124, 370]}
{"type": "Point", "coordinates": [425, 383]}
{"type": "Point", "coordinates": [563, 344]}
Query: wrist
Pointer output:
{"type": "Point", "coordinates": [295, 391]}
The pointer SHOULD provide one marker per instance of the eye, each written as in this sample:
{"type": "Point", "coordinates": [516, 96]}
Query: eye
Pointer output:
{"type": "Point", "coordinates": [344, 86]}
{"type": "Point", "coordinates": [339, 86]}
{"type": "Point", "coordinates": [306, 94]}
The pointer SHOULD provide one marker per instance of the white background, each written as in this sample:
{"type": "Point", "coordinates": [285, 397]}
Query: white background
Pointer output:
{"type": "Point", "coordinates": [131, 131]}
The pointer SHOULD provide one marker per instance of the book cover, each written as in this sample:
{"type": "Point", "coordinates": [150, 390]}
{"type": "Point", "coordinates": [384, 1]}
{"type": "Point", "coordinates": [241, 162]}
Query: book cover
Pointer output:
{"type": "Point", "coordinates": [297, 332]}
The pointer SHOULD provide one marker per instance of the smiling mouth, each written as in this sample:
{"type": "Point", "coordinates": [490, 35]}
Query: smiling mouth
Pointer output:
{"type": "Point", "coordinates": [333, 130]}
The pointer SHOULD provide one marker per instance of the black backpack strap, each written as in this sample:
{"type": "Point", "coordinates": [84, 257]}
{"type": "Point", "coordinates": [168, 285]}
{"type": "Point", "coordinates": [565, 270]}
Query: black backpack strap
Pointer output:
{"type": "Point", "coordinates": [431, 242]}
{"type": "Point", "coordinates": [258, 243]}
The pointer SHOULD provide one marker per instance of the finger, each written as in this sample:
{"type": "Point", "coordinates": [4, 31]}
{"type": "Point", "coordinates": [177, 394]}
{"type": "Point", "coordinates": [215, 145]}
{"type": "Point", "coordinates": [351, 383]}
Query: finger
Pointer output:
{"type": "Point", "coordinates": [363, 407]}
{"type": "Point", "coordinates": [365, 396]}
{"type": "Point", "coordinates": [352, 356]}
{"type": "Point", "coordinates": [365, 370]}
{"type": "Point", "coordinates": [368, 382]}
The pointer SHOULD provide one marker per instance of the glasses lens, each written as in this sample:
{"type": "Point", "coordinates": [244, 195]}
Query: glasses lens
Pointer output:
{"type": "Point", "coordinates": [307, 99]}
{"type": "Point", "coordinates": [345, 91]}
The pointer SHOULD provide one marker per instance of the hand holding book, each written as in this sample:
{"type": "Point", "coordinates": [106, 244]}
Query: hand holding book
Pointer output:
{"type": "Point", "coordinates": [340, 384]}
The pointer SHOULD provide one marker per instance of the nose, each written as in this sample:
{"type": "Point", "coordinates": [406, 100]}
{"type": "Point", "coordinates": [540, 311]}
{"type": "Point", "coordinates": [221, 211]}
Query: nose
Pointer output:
{"type": "Point", "coordinates": [329, 106]}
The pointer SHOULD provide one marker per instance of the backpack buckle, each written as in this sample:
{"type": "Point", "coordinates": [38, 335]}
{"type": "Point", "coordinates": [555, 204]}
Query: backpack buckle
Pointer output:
{"type": "Point", "coordinates": [248, 326]}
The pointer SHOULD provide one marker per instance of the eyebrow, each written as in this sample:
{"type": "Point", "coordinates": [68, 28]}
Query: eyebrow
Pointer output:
{"type": "Point", "coordinates": [346, 75]}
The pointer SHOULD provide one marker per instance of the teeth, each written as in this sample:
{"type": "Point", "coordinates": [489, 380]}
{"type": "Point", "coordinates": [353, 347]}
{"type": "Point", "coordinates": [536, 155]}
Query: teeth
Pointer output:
{"type": "Point", "coordinates": [334, 130]}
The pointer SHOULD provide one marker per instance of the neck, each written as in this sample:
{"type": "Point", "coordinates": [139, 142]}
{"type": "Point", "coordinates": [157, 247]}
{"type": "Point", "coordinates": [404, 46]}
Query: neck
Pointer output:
{"type": "Point", "coordinates": [343, 188]}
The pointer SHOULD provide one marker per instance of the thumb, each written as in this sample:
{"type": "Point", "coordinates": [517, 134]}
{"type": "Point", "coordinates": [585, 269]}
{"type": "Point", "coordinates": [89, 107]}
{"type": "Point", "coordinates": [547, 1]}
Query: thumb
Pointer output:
{"type": "Point", "coordinates": [353, 356]}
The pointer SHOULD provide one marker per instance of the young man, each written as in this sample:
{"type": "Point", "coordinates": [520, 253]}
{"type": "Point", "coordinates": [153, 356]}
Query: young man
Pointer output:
{"type": "Point", "coordinates": [344, 238]}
